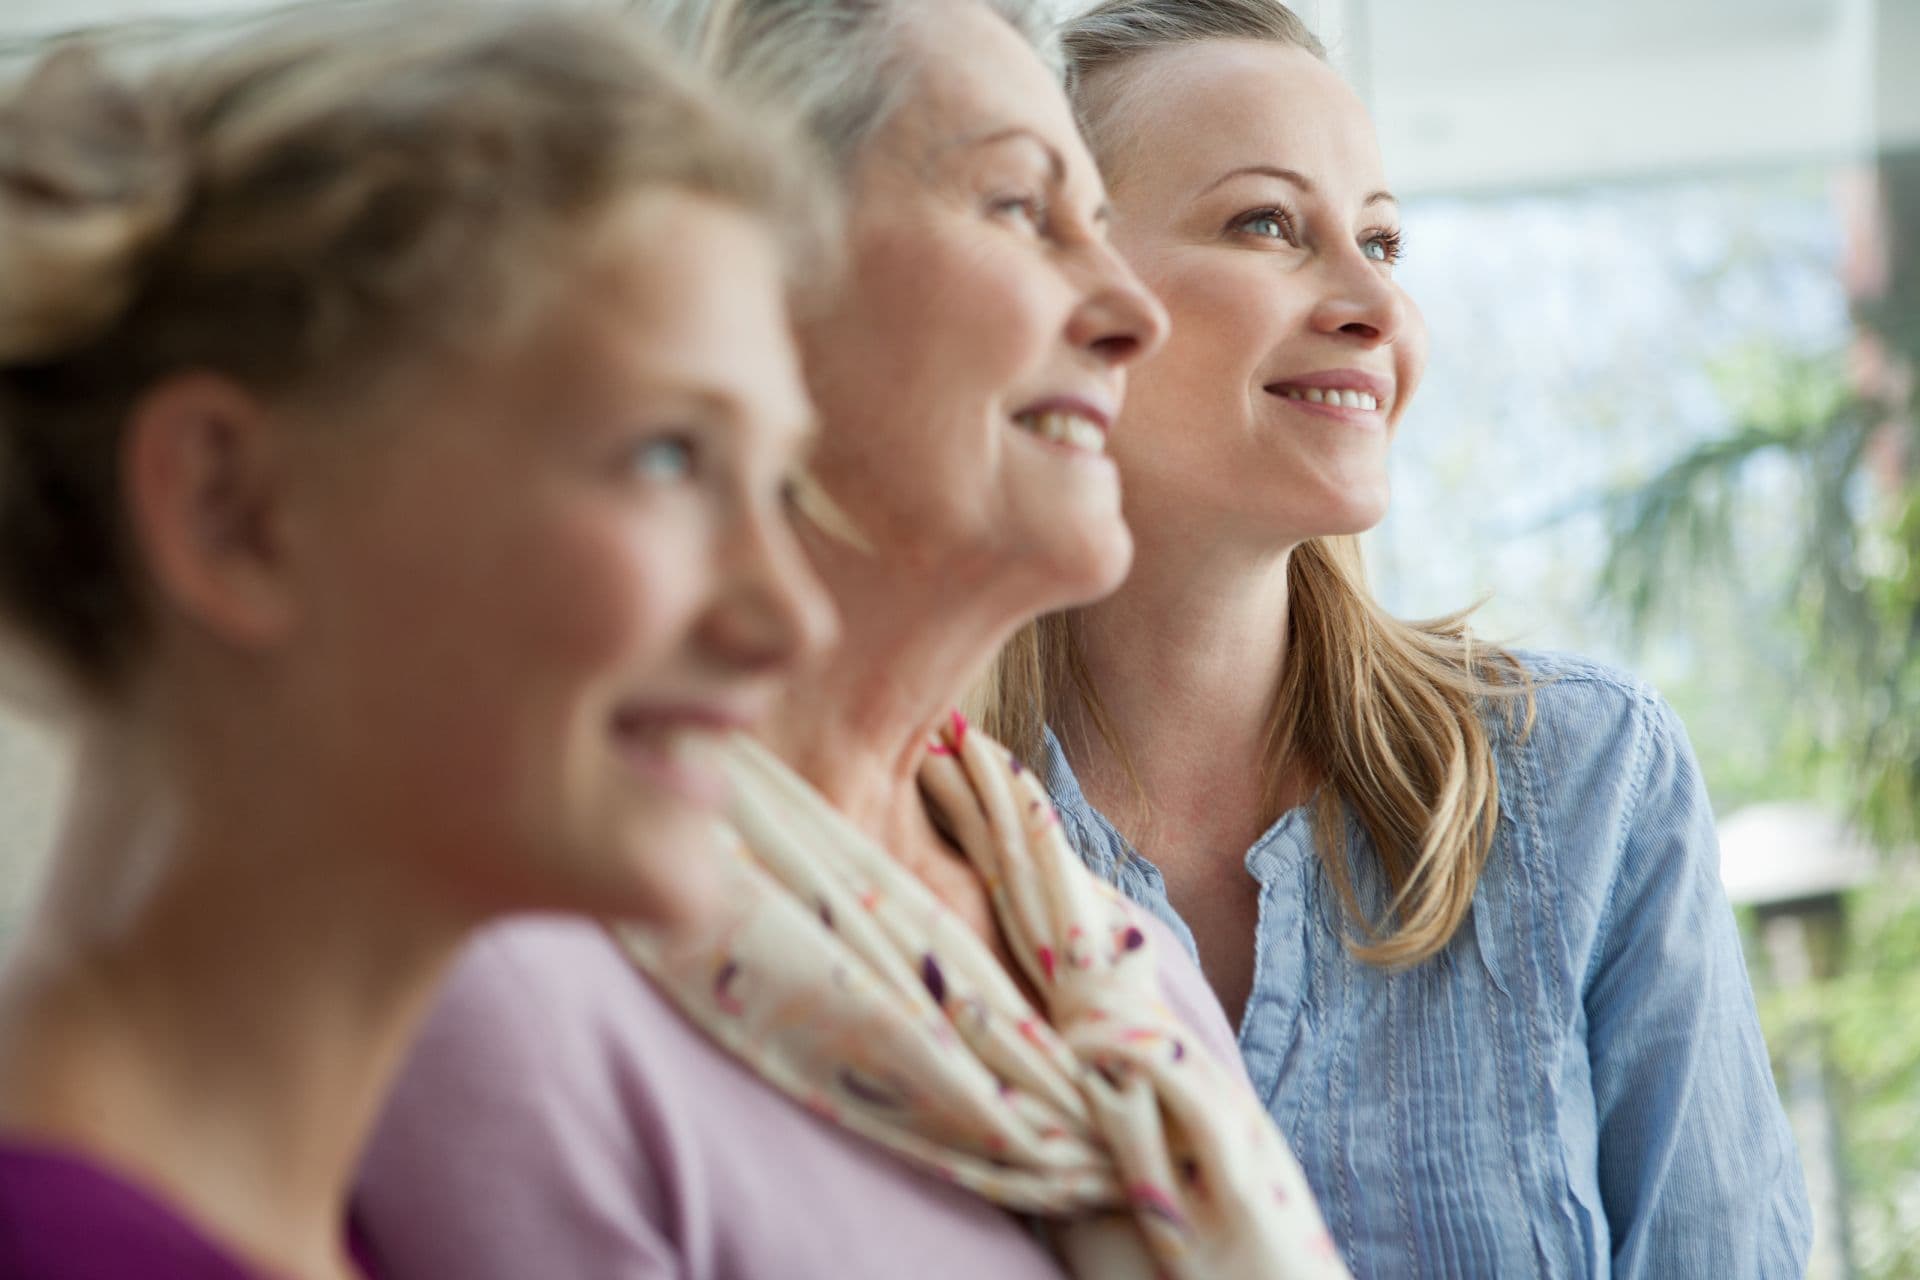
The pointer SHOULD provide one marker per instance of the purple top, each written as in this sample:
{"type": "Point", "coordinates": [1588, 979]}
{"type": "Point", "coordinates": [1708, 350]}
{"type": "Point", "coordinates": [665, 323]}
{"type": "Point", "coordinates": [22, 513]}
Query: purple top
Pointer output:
{"type": "Point", "coordinates": [63, 1217]}
{"type": "Point", "coordinates": [560, 1118]}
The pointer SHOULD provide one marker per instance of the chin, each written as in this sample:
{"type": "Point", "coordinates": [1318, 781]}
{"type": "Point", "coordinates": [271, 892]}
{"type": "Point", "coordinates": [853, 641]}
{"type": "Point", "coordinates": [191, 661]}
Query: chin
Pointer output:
{"type": "Point", "coordinates": [1332, 514]}
{"type": "Point", "coordinates": [1361, 515]}
{"type": "Point", "coordinates": [654, 865]}
{"type": "Point", "coordinates": [669, 874]}
{"type": "Point", "coordinates": [1091, 564]}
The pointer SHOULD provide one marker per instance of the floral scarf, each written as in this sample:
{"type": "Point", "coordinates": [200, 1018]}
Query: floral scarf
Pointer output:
{"type": "Point", "coordinates": [837, 976]}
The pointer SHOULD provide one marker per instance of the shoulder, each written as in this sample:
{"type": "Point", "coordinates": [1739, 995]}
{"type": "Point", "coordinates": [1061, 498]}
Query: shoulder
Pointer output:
{"type": "Point", "coordinates": [62, 1215]}
{"type": "Point", "coordinates": [1591, 725]}
{"type": "Point", "coordinates": [1569, 686]}
{"type": "Point", "coordinates": [533, 1087]}
{"type": "Point", "coordinates": [550, 955]}
{"type": "Point", "coordinates": [558, 985]}
{"type": "Point", "coordinates": [543, 1035]}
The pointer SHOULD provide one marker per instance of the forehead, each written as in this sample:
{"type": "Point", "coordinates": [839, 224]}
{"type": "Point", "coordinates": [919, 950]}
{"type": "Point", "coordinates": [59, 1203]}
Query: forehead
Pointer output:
{"type": "Point", "coordinates": [675, 287]}
{"type": "Point", "coordinates": [1190, 113]}
{"type": "Point", "coordinates": [972, 73]}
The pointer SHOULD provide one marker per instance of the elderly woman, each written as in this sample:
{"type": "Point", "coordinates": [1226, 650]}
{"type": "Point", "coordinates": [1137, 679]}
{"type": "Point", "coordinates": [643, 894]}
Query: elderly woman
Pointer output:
{"type": "Point", "coordinates": [1474, 937]}
{"type": "Point", "coordinates": [915, 1010]}
{"type": "Point", "coordinates": [395, 415]}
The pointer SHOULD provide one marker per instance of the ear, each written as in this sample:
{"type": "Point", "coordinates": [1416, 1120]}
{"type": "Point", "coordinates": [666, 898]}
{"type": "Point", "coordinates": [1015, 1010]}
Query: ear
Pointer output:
{"type": "Point", "coordinates": [205, 497]}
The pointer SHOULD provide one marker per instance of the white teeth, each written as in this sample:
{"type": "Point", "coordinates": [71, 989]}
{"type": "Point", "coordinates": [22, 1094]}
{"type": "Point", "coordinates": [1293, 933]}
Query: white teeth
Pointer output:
{"type": "Point", "coordinates": [1065, 428]}
{"type": "Point", "coordinates": [1342, 399]}
{"type": "Point", "coordinates": [694, 748]}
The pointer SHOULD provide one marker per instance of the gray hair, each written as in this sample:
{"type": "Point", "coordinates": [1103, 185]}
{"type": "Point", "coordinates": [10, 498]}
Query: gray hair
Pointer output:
{"type": "Point", "coordinates": [836, 67]}
{"type": "Point", "coordinates": [1117, 31]}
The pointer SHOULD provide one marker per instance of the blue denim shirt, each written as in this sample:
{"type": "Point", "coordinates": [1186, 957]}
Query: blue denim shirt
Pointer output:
{"type": "Point", "coordinates": [1576, 1086]}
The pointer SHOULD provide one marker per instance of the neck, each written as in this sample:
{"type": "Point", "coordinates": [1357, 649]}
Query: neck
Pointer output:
{"type": "Point", "coordinates": [914, 642]}
{"type": "Point", "coordinates": [1187, 656]}
{"type": "Point", "coordinates": [213, 998]}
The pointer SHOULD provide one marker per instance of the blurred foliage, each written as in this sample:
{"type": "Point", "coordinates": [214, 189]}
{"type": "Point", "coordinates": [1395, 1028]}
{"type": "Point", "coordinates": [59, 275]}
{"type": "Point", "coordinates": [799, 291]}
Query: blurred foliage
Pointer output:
{"type": "Point", "coordinates": [1805, 513]}
{"type": "Point", "coordinates": [1802, 521]}
{"type": "Point", "coordinates": [1864, 1019]}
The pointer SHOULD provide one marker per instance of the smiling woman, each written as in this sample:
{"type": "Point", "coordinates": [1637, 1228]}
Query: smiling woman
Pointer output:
{"type": "Point", "coordinates": [395, 412]}
{"type": "Point", "coordinates": [916, 1015]}
{"type": "Point", "coordinates": [1465, 904]}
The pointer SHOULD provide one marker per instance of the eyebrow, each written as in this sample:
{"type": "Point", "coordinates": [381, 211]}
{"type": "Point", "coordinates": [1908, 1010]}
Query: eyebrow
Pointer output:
{"type": "Point", "coordinates": [1056, 163]}
{"type": "Point", "coordinates": [1293, 176]}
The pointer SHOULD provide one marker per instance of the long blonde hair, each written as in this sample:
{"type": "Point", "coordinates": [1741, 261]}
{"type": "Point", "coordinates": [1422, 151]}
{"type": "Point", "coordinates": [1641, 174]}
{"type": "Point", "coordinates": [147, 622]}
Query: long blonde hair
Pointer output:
{"type": "Point", "coordinates": [1388, 713]}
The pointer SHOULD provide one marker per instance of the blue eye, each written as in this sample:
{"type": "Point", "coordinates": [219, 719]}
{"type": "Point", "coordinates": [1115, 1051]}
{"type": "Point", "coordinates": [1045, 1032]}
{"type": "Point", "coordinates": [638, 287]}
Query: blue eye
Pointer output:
{"type": "Point", "coordinates": [664, 460]}
{"type": "Point", "coordinates": [1266, 224]}
{"type": "Point", "coordinates": [1382, 246]}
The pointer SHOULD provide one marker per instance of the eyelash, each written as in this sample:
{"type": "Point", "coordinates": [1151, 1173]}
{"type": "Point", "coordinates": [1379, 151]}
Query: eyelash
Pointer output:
{"type": "Point", "coordinates": [1280, 216]}
{"type": "Point", "coordinates": [1387, 238]}
{"type": "Point", "coordinates": [1033, 206]}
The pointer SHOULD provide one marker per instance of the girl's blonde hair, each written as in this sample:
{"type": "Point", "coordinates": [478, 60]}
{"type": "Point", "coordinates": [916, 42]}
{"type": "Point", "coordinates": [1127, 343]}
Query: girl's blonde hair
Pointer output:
{"type": "Point", "coordinates": [304, 211]}
{"type": "Point", "coordinates": [1387, 712]}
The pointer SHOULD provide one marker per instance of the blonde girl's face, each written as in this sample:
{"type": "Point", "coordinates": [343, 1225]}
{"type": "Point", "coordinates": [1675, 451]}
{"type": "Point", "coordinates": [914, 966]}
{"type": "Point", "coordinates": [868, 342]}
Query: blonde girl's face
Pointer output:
{"type": "Point", "coordinates": [564, 574]}
{"type": "Point", "coordinates": [1249, 193]}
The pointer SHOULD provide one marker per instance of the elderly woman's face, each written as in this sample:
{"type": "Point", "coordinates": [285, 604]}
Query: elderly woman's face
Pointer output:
{"type": "Point", "coordinates": [968, 375]}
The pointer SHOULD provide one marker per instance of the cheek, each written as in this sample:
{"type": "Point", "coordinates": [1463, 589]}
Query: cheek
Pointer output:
{"type": "Point", "coordinates": [1224, 319]}
{"type": "Point", "coordinates": [1195, 392]}
{"type": "Point", "coordinates": [915, 375]}
{"type": "Point", "coordinates": [602, 590]}
{"type": "Point", "coordinates": [1227, 324]}
{"type": "Point", "coordinates": [949, 318]}
{"type": "Point", "coordinates": [1409, 365]}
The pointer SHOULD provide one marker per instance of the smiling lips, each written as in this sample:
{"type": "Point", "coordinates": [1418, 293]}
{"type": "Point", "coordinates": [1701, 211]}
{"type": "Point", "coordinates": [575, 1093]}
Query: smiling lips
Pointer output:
{"type": "Point", "coordinates": [678, 748]}
{"type": "Point", "coordinates": [1068, 429]}
{"type": "Point", "coordinates": [1067, 422]}
{"type": "Point", "coordinates": [1343, 391]}
{"type": "Point", "coordinates": [1344, 399]}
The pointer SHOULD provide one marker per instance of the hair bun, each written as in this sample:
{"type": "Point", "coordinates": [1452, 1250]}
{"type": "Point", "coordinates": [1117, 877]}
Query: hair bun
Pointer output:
{"type": "Point", "coordinates": [91, 175]}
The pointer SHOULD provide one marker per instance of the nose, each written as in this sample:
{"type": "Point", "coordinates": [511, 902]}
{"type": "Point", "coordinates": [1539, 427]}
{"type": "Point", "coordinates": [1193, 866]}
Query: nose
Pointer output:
{"type": "Point", "coordinates": [771, 613]}
{"type": "Point", "coordinates": [1361, 301]}
{"type": "Point", "coordinates": [1118, 319]}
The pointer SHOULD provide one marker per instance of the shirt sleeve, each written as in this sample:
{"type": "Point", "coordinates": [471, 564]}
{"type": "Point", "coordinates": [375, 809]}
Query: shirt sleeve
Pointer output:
{"type": "Point", "coordinates": [1697, 1165]}
{"type": "Point", "coordinates": [505, 1150]}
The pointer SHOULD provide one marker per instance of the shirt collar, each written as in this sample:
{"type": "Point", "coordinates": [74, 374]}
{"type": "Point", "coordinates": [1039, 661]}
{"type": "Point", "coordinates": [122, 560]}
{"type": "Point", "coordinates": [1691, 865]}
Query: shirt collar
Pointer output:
{"type": "Point", "coordinates": [1099, 844]}
{"type": "Point", "coordinates": [1058, 777]}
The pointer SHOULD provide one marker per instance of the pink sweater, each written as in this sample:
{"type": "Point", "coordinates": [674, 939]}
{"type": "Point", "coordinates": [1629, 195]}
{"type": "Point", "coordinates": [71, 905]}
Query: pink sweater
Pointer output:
{"type": "Point", "coordinates": [559, 1120]}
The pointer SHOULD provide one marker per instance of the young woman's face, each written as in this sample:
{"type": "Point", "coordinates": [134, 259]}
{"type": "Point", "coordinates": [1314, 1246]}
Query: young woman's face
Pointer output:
{"type": "Point", "coordinates": [1248, 192]}
{"type": "Point", "coordinates": [552, 581]}
{"type": "Point", "coordinates": [969, 372]}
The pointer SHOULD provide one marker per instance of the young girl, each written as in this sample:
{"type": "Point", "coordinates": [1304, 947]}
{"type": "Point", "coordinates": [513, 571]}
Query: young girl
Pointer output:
{"type": "Point", "coordinates": [395, 417]}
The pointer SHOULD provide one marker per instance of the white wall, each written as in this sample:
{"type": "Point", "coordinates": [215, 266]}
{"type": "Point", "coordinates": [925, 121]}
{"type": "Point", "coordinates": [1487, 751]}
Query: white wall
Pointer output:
{"type": "Point", "coordinates": [30, 784]}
